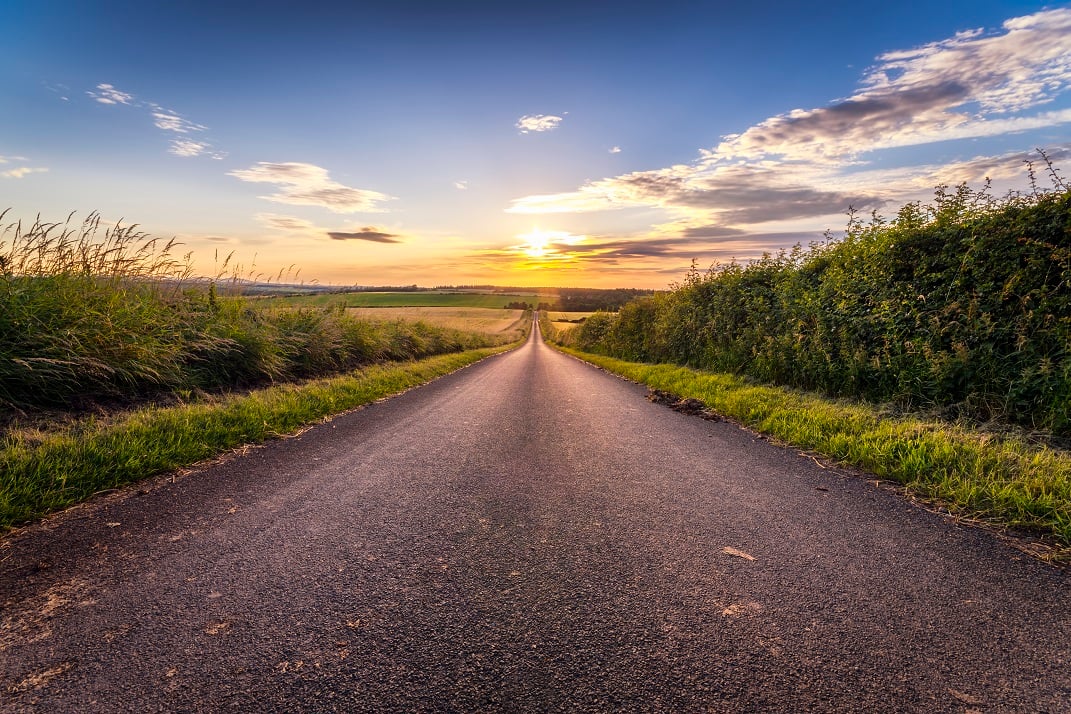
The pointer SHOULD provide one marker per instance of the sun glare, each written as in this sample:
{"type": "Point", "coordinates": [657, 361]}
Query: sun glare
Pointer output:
{"type": "Point", "coordinates": [544, 245]}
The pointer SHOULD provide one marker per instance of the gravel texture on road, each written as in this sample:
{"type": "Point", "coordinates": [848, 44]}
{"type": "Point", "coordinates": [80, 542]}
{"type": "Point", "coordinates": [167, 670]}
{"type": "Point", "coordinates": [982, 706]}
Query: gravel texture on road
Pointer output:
{"type": "Point", "coordinates": [527, 534]}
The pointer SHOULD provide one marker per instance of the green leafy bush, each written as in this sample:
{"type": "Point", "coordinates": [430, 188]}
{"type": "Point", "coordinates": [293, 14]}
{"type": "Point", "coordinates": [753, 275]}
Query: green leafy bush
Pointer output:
{"type": "Point", "coordinates": [963, 306]}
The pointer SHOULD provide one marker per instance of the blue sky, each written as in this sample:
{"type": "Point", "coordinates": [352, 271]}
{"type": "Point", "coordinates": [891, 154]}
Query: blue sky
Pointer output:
{"type": "Point", "coordinates": [601, 144]}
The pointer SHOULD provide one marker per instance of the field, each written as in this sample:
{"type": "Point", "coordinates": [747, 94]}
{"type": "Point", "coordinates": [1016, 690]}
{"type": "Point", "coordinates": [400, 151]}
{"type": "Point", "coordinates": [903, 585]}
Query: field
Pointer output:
{"type": "Point", "coordinates": [486, 320]}
{"type": "Point", "coordinates": [564, 321]}
{"type": "Point", "coordinates": [410, 299]}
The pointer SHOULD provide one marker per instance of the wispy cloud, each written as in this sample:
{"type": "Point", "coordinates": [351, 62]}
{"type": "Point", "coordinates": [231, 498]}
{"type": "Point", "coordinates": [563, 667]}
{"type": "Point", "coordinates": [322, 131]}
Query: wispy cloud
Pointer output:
{"type": "Point", "coordinates": [290, 224]}
{"type": "Point", "coordinates": [808, 164]}
{"type": "Point", "coordinates": [615, 149]}
{"type": "Point", "coordinates": [172, 121]}
{"type": "Point", "coordinates": [21, 172]}
{"type": "Point", "coordinates": [310, 185]}
{"type": "Point", "coordinates": [60, 90]}
{"type": "Point", "coordinates": [164, 119]}
{"type": "Point", "coordinates": [368, 233]}
{"type": "Point", "coordinates": [461, 185]}
{"type": "Point", "coordinates": [302, 227]}
{"type": "Point", "coordinates": [107, 94]}
{"type": "Point", "coordinates": [538, 122]}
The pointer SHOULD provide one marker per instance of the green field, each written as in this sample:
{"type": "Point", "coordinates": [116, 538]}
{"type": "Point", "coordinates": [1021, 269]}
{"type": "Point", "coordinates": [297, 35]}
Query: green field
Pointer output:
{"type": "Point", "coordinates": [484, 320]}
{"type": "Point", "coordinates": [409, 299]}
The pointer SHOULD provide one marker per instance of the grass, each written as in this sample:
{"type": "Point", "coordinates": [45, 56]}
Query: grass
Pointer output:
{"type": "Point", "coordinates": [485, 320]}
{"type": "Point", "coordinates": [408, 299]}
{"type": "Point", "coordinates": [92, 314]}
{"type": "Point", "coordinates": [1000, 479]}
{"type": "Point", "coordinates": [565, 321]}
{"type": "Point", "coordinates": [42, 473]}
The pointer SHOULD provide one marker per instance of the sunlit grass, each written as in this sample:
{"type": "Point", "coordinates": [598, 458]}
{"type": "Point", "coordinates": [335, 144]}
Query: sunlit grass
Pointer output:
{"type": "Point", "coordinates": [485, 320]}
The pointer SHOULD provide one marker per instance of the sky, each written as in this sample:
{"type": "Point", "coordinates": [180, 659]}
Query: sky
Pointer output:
{"type": "Point", "coordinates": [585, 144]}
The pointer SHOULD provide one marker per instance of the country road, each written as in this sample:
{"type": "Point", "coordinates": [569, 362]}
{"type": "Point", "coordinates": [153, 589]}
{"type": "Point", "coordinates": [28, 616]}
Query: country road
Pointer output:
{"type": "Point", "coordinates": [528, 534]}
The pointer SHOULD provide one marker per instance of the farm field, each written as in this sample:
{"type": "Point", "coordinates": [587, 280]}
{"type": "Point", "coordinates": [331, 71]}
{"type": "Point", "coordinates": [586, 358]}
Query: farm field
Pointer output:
{"type": "Point", "coordinates": [486, 320]}
{"type": "Point", "coordinates": [563, 321]}
{"type": "Point", "coordinates": [410, 299]}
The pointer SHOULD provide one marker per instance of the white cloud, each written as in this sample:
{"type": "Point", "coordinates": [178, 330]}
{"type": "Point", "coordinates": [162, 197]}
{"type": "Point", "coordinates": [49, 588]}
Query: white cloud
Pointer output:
{"type": "Point", "coordinates": [310, 185]}
{"type": "Point", "coordinates": [538, 122]}
{"type": "Point", "coordinates": [808, 164]}
{"type": "Point", "coordinates": [187, 147]}
{"type": "Point", "coordinates": [9, 159]}
{"type": "Point", "coordinates": [107, 94]}
{"type": "Point", "coordinates": [164, 119]}
{"type": "Point", "coordinates": [173, 121]}
{"type": "Point", "coordinates": [21, 172]}
{"type": "Point", "coordinates": [461, 185]}
{"type": "Point", "coordinates": [615, 150]}
{"type": "Point", "coordinates": [966, 86]}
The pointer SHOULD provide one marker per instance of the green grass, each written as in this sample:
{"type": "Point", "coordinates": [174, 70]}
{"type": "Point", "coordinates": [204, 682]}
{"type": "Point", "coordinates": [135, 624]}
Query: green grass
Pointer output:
{"type": "Point", "coordinates": [1000, 479]}
{"type": "Point", "coordinates": [406, 299]}
{"type": "Point", "coordinates": [91, 313]}
{"type": "Point", "coordinates": [42, 473]}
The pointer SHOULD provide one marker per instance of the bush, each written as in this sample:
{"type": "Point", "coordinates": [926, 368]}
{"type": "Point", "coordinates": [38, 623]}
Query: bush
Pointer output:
{"type": "Point", "coordinates": [963, 305]}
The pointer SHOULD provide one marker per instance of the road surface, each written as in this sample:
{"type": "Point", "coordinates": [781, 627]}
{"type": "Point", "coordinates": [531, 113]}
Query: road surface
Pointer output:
{"type": "Point", "coordinates": [527, 534]}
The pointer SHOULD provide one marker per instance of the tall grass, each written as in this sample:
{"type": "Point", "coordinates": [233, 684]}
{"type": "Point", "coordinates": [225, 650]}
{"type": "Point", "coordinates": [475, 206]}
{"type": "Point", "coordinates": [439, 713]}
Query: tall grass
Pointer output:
{"type": "Point", "coordinates": [93, 312]}
{"type": "Point", "coordinates": [962, 306]}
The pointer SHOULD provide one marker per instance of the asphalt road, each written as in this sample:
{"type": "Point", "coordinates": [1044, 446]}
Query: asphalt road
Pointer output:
{"type": "Point", "coordinates": [527, 534]}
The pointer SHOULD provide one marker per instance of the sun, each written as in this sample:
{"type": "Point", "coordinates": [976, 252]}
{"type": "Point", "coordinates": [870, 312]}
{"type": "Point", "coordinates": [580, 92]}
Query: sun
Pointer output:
{"type": "Point", "coordinates": [546, 246]}
{"type": "Point", "coordinates": [537, 243]}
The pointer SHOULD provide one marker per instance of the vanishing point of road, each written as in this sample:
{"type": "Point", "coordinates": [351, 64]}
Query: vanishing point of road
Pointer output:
{"type": "Point", "coordinates": [528, 534]}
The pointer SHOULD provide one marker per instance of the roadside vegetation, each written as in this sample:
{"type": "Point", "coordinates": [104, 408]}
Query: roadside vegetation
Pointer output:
{"type": "Point", "coordinates": [949, 328]}
{"type": "Point", "coordinates": [961, 307]}
{"type": "Point", "coordinates": [485, 320]}
{"type": "Point", "coordinates": [116, 363]}
{"type": "Point", "coordinates": [92, 314]}
{"type": "Point", "coordinates": [45, 471]}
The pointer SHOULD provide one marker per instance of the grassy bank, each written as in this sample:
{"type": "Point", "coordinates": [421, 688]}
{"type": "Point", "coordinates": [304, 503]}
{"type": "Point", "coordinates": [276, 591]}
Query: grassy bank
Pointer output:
{"type": "Point", "coordinates": [41, 473]}
{"type": "Point", "coordinates": [999, 479]}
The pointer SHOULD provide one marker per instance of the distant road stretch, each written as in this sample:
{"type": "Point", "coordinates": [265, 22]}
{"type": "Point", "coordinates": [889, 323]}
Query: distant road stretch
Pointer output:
{"type": "Point", "coordinates": [528, 534]}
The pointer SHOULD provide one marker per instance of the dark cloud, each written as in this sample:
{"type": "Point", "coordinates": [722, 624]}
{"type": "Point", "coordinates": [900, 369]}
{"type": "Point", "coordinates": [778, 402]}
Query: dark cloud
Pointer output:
{"type": "Point", "coordinates": [369, 233]}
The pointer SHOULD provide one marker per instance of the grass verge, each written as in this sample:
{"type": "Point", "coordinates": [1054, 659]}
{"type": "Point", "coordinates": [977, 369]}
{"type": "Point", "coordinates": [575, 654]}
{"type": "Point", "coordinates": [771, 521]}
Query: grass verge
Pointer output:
{"type": "Point", "coordinates": [1002, 480]}
{"type": "Point", "coordinates": [40, 474]}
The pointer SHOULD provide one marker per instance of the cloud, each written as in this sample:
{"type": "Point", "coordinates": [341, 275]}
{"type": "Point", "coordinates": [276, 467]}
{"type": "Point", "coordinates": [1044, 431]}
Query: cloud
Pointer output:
{"type": "Point", "coordinates": [369, 233]}
{"type": "Point", "coordinates": [538, 122]}
{"type": "Point", "coordinates": [171, 121]}
{"type": "Point", "coordinates": [107, 94]}
{"type": "Point", "coordinates": [165, 119]}
{"type": "Point", "coordinates": [734, 194]}
{"type": "Point", "coordinates": [310, 185]}
{"type": "Point", "coordinates": [9, 159]}
{"type": "Point", "coordinates": [565, 251]}
{"type": "Point", "coordinates": [808, 164]}
{"type": "Point", "coordinates": [287, 223]}
{"type": "Point", "coordinates": [187, 147]}
{"type": "Point", "coordinates": [615, 150]}
{"type": "Point", "coordinates": [21, 172]}
{"type": "Point", "coordinates": [461, 185]}
{"type": "Point", "coordinates": [962, 87]}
